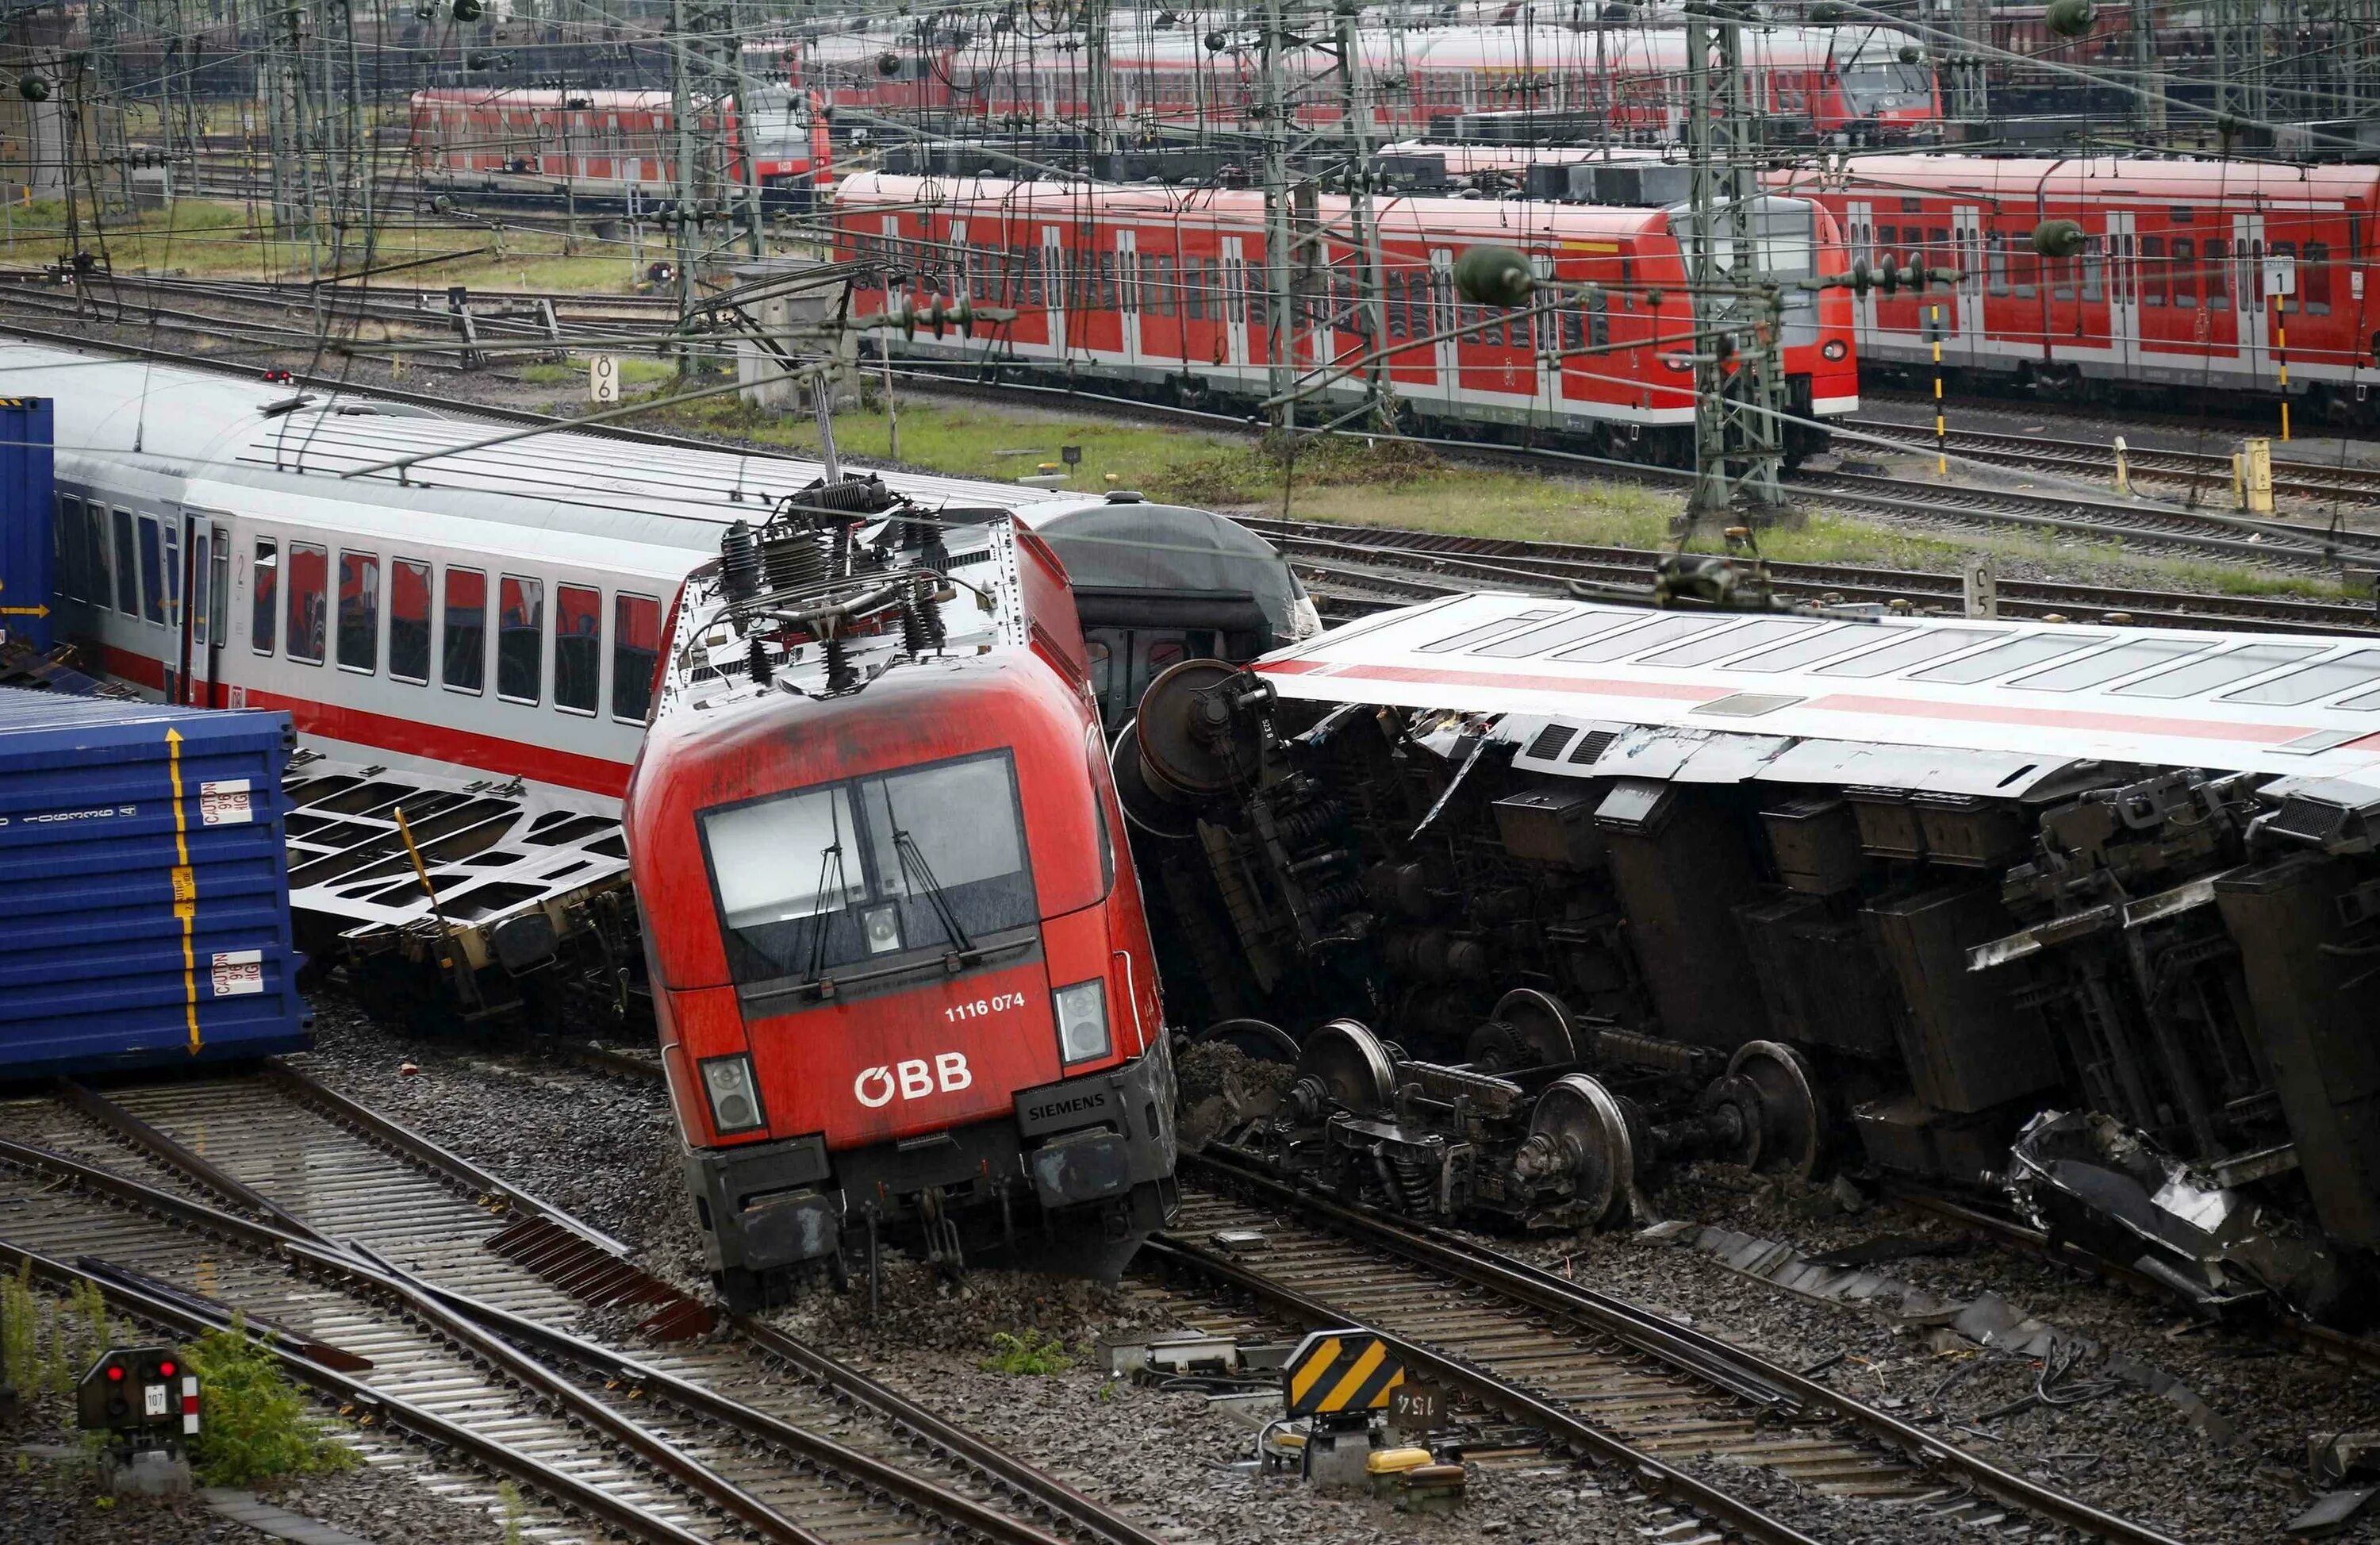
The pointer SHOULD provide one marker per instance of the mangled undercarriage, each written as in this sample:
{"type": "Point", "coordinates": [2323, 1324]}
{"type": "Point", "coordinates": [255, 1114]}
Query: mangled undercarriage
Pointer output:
{"type": "Point", "coordinates": [1524, 963]}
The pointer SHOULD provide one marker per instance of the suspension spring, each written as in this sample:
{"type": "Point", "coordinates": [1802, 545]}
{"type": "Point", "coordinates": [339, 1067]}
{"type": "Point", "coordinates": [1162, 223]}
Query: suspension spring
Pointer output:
{"type": "Point", "coordinates": [1416, 1186]}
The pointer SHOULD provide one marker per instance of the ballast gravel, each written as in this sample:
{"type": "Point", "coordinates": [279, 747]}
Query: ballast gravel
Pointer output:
{"type": "Point", "coordinates": [605, 1146]}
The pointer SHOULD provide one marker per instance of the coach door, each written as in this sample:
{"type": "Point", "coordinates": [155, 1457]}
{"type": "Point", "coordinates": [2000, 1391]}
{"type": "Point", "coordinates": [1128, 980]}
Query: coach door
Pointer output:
{"type": "Point", "coordinates": [1053, 289]}
{"type": "Point", "coordinates": [1967, 231]}
{"type": "Point", "coordinates": [1859, 231]}
{"type": "Point", "coordinates": [194, 673]}
{"type": "Point", "coordinates": [1442, 320]}
{"type": "Point", "coordinates": [2123, 293]}
{"type": "Point", "coordinates": [1235, 301]}
{"type": "Point", "coordinates": [1545, 333]}
{"type": "Point", "coordinates": [2255, 307]}
{"type": "Point", "coordinates": [1128, 298]}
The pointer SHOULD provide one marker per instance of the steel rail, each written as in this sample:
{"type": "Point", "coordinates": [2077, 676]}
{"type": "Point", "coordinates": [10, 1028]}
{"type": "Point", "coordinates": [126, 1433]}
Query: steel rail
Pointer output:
{"type": "Point", "coordinates": [1044, 1490]}
{"type": "Point", "coordinates": [1467, 1260]}
{"type": "Point", "coordinates": [2311, 480]}
{"type": "Point", "coordinates": [362, 1273]}
{"type": "Point", "coordinates": [2078, 513]}
{"type": "Point", "coordinates": [1564, 1427]}
{"type": "Point", "coordinates": [391, 1411]}
{"type": "Point", "coordinates": [443, 1163]}
{"type": "Point", "coordinates": [1562, 561]}
{"type": "Point", "coordinates": [1004, 1468]}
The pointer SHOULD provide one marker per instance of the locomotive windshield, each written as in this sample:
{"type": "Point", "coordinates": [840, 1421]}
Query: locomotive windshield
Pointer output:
{"type": "Point", "coordinates": [868, 870]}
{"type": "Point", "coordinates": [1887, 86]}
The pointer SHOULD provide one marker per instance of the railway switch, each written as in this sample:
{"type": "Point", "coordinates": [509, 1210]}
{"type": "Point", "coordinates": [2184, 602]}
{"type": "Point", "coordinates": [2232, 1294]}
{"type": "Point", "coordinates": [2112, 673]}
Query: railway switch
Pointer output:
{"type": "Point", "coordinates": [145, 1399]}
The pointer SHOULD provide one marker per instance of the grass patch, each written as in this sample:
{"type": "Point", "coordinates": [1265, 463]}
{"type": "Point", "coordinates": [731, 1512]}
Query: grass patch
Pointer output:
{"type": "Point", "coordinates": [635, 370]}
{"type": "Point", "coordinates": [45, 1344]}
{"type": "Point", "coordinates": [1388, 483]}
{"type": "Point", "coordinates": [1026, 1353]}
{"type": "Point", "coordinates": [254, 1424]}
{"type": "Point", "coordinates": [217, 238]}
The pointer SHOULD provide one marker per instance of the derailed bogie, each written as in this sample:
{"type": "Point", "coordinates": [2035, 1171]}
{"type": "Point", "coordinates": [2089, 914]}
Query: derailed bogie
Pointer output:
{"type": "Point", "coordinates": [1609, 947]}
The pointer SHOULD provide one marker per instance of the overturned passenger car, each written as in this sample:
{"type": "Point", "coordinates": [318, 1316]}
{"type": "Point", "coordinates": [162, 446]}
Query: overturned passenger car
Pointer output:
{"type": "Point", "coordinates": [1553, 892]}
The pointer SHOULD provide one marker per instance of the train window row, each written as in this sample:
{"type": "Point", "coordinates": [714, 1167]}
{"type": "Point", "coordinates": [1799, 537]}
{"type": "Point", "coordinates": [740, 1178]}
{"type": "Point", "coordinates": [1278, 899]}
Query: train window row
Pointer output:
{"type": "Point", "coordinates": [2025, 661]}
{"type": "Point", "coordinates": [1418, 302]}
{"type": "Point", "coordinates": [2156, 271]}
{"type": "Point", "coordinates": [300, 613]}
{"type": "Point", "coordinates": [117, 560]}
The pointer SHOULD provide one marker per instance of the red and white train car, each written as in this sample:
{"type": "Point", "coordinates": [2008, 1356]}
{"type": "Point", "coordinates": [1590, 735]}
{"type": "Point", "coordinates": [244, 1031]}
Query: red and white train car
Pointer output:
{"type": "Point", "coordinates": [603, 147]}
{"type": "Point", "coordinates": [1165, 291]}
{"type": "Point", "coordinates": [1817, 81]}
{"type": "Point", "coordinates": [2195, 276]}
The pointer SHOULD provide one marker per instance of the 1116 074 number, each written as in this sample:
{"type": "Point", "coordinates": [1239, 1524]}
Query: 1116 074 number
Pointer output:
{"type": "Point", "coordinates": [983, 1008]}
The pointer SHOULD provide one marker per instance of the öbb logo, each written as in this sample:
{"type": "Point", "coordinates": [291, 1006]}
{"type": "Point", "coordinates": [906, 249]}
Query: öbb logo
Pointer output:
{"type": "Point", "coordinates": [912, 1079]}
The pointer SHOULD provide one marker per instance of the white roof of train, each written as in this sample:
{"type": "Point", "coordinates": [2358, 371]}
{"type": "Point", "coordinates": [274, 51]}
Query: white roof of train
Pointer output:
{"type": "Point", "coordinates": [215, 430]}
{"type": "Point", "coordinates": [1908, 703]}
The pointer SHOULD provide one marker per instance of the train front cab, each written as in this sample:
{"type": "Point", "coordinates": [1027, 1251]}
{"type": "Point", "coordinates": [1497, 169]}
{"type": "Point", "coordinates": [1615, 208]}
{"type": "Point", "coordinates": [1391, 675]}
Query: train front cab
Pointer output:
{"type": "Point", "coordinates": [907, 991]}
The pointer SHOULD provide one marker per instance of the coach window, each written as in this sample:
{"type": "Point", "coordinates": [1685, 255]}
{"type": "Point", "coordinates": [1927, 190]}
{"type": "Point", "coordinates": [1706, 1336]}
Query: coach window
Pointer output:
{"type": "Point", "coordinates": [2154, 275]}
{"type": "Point", "coordinates": [577, 648]}
{"type": "Point", "coordinates": [635, 648]}
{"type": "Point", "coordinates": [152, 572]}
{"type": "Point", "coordinates": [2325, 678]}
{"type": "Point", "coordinates": [2313, 279]}
{"type": "Point", "coordinates": [94, 540]}
{"type": "Point", "coordinates": [2218, 289]}
{"type": "Point", "coordinates": [1996, 257]}
{"type": "Point", "coordinates": [409, 621]}
{"type": "Point", "coordinates": [128, 568]}
{"type": "Point", "coordinates": [265, 597]}
{"type": "Point", "coordinates": [463, 661]}
{"type": "Point", "coordinates": [309, 580]}
{"type": "Point", "coordinates": [2093, 267]}
{"type": "Point", "coordinates": [66, 539]}
{"type": "Point", "coordinates": [520, 639]}
{"type": "Point", "coordinates": [359, 612]}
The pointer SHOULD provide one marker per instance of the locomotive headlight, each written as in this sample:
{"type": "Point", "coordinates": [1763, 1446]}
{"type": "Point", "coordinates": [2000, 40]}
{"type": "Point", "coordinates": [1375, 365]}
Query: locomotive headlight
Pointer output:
{"type": "Point", "coordinates": [735, 1102]}
{"type": "Point", "coordinates": [882, 927]}
{"type": "Point", "coordinates": [1835, 348]}
{"type": "Point", "coordinates": [1082, 1021]}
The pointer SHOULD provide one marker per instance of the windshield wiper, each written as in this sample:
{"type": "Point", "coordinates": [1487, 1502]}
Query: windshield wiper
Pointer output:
{"type": "Point", "coordinates": [920, 876]}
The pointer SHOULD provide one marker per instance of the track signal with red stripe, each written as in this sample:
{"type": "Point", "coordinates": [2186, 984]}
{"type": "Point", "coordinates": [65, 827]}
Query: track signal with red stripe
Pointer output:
{"type": "Point", "coordinates": [142, 1397]}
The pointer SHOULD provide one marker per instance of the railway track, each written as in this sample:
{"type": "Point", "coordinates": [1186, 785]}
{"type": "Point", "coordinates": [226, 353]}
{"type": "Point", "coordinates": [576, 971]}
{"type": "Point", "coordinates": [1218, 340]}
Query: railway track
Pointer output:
{"type": "Point", "coordinates": [446, 1304]}
{"type": "Point", "coordinates": [2280, 546]}
{"type": "Point", "coordinates": [1381, 565]}
{"type": "Point", "coordinates": [2201, 470]}
{"type": "Point", "coordinates": [1667, 1404]}
{"type": "Point", "coordinates": [304, 315]}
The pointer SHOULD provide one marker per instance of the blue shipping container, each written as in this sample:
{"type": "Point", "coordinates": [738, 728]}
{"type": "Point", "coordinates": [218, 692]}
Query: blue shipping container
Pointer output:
{"type": "Point", "coordinates": [28, 495]}
{"type": "Point", "coordinates": [144, 886]}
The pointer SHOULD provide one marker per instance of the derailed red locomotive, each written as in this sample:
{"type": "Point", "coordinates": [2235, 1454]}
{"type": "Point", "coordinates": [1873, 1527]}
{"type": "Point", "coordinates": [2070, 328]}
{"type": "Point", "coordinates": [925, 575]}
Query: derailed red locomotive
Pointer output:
{"type": "Point", "coordinates": [902, 971]}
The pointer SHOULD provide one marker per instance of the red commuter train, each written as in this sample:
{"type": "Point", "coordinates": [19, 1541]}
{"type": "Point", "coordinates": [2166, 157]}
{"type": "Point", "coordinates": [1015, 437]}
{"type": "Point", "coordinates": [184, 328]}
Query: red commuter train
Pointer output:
{"type": "Point", "coordinates": [2194, 276]}
{"type": "Point", "coordinates": [604, 148]}
{"type": "Point", "coordinates": [1162, 292]}
{"type": "Point", "coordinates": [904, 978]}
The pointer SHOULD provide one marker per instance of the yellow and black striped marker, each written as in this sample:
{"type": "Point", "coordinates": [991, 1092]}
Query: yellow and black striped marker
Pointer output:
{"type": "Point", "coordinates": [1340, 1371]}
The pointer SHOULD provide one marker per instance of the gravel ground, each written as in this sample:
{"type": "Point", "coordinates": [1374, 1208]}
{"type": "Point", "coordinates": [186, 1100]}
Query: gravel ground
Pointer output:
{"type": "Point", "coordinates": [46, 1500]}
{"type": "Point", "coordinates": [529, 1119]}
{"type": "Point", "coordinates": [2128, 1451]}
